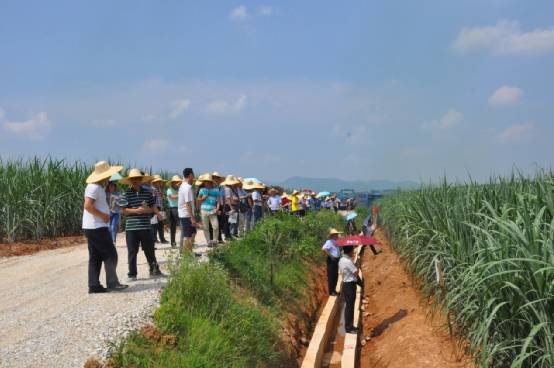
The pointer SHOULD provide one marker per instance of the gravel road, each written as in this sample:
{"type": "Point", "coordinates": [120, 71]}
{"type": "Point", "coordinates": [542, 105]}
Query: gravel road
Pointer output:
{"type": "Point", "coordinates": [47, 317]}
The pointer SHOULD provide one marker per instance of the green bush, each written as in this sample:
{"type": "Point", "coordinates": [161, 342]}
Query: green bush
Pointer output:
{"type": "Point", "coordinates": [215, 328]}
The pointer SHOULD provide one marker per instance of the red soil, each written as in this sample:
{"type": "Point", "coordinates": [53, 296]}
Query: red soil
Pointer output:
{"type": "Point", "coordinates": [31, 247]}
{"type": "Point", "coordinates": [416, 340]}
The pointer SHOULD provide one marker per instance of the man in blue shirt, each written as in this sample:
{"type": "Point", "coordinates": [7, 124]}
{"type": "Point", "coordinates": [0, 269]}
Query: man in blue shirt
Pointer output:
{"type": "Point", "coordinates": [208, 196]}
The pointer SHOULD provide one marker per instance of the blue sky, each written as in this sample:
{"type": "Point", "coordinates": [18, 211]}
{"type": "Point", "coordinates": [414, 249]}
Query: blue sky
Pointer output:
{"type": "Point", "coordinates": [358, 90]}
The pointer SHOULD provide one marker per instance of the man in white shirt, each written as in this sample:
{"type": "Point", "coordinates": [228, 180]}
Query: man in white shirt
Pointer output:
{"type": "Point", "coordinates": [333, 254]}
{"type": "Point", "coordinates": [349, 273]}
{"type": "Point", "coordinates": [96, 218]}
{"type": "Point", "coordinates": [274, 201]}
{"type": "Point", "coordinates": [185, 209]}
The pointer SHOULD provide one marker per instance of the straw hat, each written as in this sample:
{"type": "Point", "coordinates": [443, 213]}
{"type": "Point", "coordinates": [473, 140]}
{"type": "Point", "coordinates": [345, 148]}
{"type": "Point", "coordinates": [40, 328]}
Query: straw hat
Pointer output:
{"type": "Point", "coordinates": [333, 231]}
{"type": "Point", "coordinates": [204, 178]}
{"type": "Point", "coordinates": [230, 180]}
{"type": "Point", "coordinates": [273, 190]}
{"type": "Point", "coordinates": [218, 178]}
{"type": "Point", "coordinates": [252, 185]}
{"type": "Point", "coordinates": [176, 179]}
{"type": "Point", "coordinates": [102, 170]}
{"type": "Point", "coordinates": [157, 178]}
{"type": "Point", "coordinates": [136, 173]}
{"type": "Point", "coordinates": [295, 192]}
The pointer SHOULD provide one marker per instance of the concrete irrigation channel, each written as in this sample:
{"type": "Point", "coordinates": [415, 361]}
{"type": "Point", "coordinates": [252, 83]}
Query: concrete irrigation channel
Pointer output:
{"type": "Point", "coordinates": [330, 346]}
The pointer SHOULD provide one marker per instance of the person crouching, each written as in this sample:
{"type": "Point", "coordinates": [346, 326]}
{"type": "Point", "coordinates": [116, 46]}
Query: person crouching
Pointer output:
{"type": "Point", "coordinates": [349, 273]}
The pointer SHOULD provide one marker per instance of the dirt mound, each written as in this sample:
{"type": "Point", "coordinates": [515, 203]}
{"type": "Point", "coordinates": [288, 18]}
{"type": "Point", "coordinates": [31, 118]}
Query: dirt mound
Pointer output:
{"type": "Point", "coordinates": [31, 246]}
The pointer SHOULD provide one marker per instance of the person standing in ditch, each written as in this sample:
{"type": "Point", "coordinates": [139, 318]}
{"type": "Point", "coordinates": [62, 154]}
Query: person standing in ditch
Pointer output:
{"type": "Point", "coordinates": [333, 254]}
{"type": "Point", "coordinates": [138, 204]}
{"type": "Point", "coordinates": [349, 273]}
{"type": "Point", "coordinates": [96, 217]}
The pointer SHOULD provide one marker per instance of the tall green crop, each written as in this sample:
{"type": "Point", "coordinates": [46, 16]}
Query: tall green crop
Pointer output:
{"type": "Point", "coordinates": [40, 197]}
{"type": "Point", "coordinates": [496, 244]}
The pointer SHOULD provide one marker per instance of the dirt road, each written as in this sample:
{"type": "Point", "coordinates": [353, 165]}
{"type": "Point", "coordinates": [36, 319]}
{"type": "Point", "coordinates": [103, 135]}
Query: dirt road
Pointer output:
{"type": "Point", "coordinates": [47, 317]}
{"type": "Point", "coordinates": [412, 339]}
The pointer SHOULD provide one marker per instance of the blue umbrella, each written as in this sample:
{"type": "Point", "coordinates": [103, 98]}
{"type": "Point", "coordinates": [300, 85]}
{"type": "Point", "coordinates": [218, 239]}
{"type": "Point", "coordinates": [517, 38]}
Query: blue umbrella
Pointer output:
{"type": "Point", "coordinates": [351, 216]}
{"type": "Point", "coordinates": [116, 177]}
{"type": "Point", "coordinates": [324, 194]}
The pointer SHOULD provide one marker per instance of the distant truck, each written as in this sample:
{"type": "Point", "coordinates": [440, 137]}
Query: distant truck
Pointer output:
{"type": "Point", "coordinates": [360, 198]}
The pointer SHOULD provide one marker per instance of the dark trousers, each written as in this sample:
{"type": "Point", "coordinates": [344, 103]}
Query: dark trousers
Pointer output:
{"type": "Point", "coordinates": [101, 249]}
{"type": "Point", "coordinates": [349, 292]}
{"type": "Point", "coordinates": [136, 239]}
{"type": "Point", "coordinates": [173, 220]}
{"type": "Point", "coordinates": [258, 213]}
{"type": "Point", "coordinates": [332, 273]}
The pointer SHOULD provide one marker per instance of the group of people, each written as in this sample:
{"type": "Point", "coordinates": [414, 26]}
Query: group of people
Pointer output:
{"type": "Point", "coordinates": [222, 207]}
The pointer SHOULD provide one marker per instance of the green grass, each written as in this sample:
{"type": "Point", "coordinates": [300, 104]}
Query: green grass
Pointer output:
{"type": "Point", "coordinates": [229, 312]}
{"type": "Point", "coordinates": [496, 244]}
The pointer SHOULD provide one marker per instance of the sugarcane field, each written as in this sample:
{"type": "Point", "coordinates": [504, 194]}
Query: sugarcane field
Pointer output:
{"type": "Point", "coordinates": [276, 184]}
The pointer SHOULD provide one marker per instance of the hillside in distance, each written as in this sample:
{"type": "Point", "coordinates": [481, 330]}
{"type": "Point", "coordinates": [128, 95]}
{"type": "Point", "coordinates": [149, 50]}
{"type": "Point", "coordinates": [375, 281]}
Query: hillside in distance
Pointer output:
{"type": "Point", "coordinates": [334, 184]}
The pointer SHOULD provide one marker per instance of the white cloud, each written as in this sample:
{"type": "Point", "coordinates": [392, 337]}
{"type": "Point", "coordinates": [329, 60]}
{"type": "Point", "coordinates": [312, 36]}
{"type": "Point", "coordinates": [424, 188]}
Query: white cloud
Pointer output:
{"type": "Point", "coordinates": [265, 10]}
{"type": "Point", "coordinates": [516, 133]}
{"type": "Point", "coordinates": [448, 120]}
{"type": "Point", "coordinates": [505, 96]}
{"type": "Point", "coordinates": [34, 128]}
{"type": "Point", "coordinates": [505, 38]}
{"type": "Point", "coordinates": [154, 146]}
{"type": "Point", "coordinates": [178, 108]}
{"type": "Point", "coordinates": [240, 13]}
{"type": "Point", "coordinates": [225, 107]}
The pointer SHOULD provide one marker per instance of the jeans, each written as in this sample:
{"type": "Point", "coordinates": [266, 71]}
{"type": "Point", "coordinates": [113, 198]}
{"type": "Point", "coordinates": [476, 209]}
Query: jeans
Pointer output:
{"type": "Point", "coordinates": [258, 214]}
{"type": "Point", "coordinates": [245, 221]}
{"type": "Point", "coordinates": [207, 220]}
{"type": "Point", "coordinates": [114, 224]}
{"type": "Point", "coordinates": [136, 239]}
{"type": "Point", "coordinates": [349, 292]}
{"type": "Point", "coordinates": [101, 249]}
{"type": "Point", "coordinates": [332, 273]}
{"type": "Point", "coordinates": [173, 220]}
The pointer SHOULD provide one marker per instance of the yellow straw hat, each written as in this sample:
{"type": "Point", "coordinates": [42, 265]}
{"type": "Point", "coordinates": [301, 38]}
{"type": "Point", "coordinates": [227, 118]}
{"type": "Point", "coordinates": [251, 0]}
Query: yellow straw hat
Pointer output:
{"type": "Point", "coordinates": [218, 178]}
{"type": "Point", "coordinates": [136, 173]}
{"type": "Point", "coordinates": [230, 180]}
{"type": "Point", "coordinates": [157, 178]}
{"type": "Point", "coordinates": [333, 231]}
{"type": "Point", "coordinates": [204, 178]}
{"type": "Point", "coordinates": [176, 179]}
{"type": "Point", "coordinates": [252, 185]}
{"type": "Point", "coordinates": [102, 170]}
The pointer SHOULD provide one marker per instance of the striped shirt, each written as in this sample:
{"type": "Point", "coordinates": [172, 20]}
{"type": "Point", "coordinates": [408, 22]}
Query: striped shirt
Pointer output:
{"type": "Point", "coordinates": [134, 199]}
